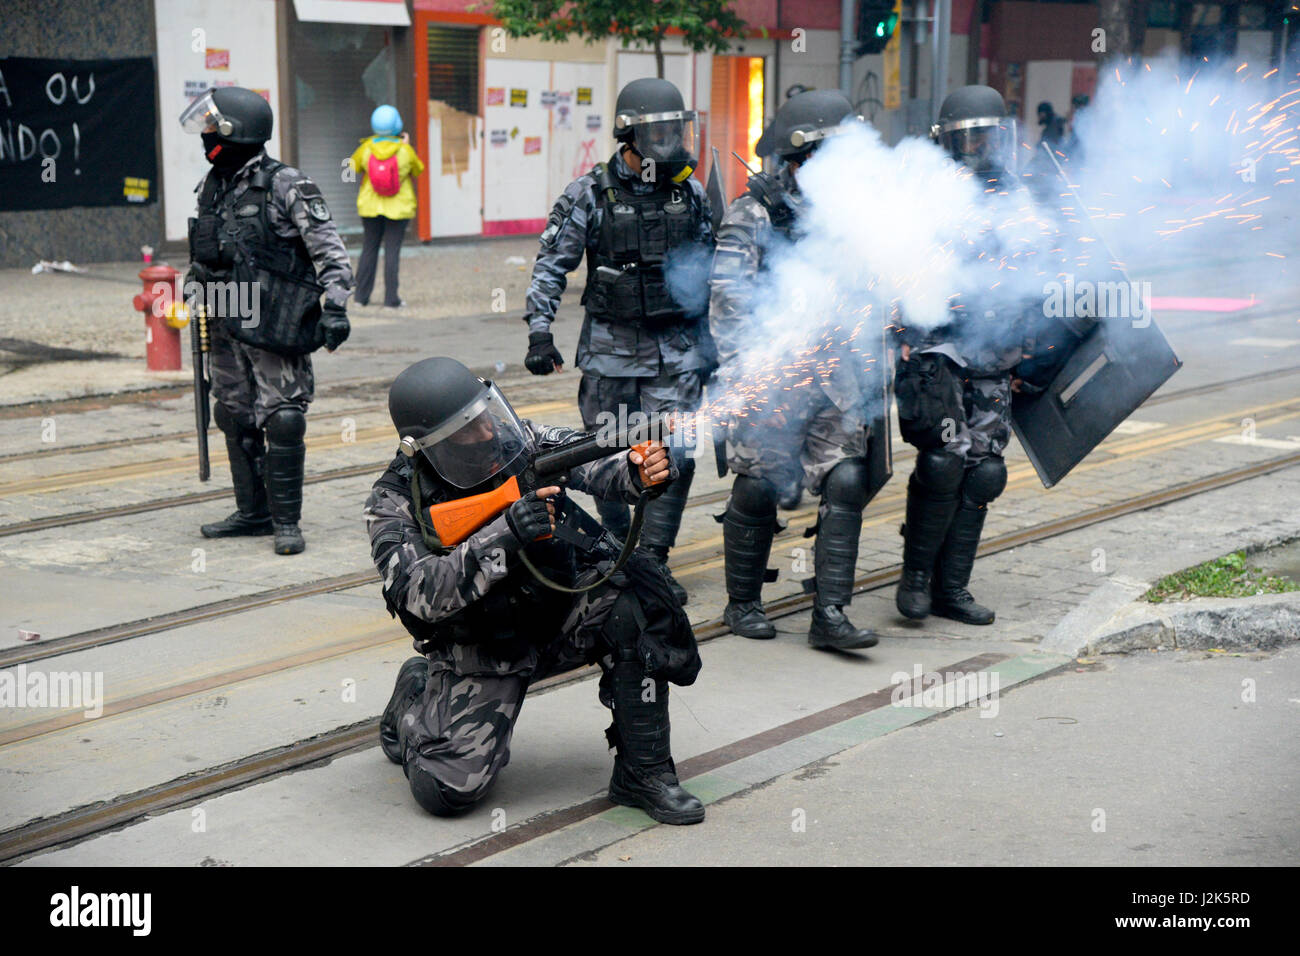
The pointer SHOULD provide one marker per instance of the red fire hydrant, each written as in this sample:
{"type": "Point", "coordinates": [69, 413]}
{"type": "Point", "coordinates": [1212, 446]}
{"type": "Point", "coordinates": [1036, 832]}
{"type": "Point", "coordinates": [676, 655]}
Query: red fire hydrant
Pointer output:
{"type": "Point", "coordinates": [164, 317]}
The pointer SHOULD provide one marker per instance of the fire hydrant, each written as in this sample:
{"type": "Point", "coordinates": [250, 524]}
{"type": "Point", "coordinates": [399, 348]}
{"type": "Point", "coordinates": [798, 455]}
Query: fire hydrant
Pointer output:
{"type": "Point", "coordinates": [164, 317]}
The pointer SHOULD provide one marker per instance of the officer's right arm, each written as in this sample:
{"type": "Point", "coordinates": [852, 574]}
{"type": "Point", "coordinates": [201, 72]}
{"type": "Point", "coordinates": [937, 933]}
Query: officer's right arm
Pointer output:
{"type": "Point", "coordinates": [563, 244]}
{"type": "Point", "coordinates": [428, 585]}
{"type": "Point", "coordinates": [731, 282]}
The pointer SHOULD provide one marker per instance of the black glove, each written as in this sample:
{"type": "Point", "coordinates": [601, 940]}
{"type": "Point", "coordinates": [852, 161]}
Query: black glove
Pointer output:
{"type": "Point", "coordinates": [334, 326]}
{"type": "Point", "coordinates": [543, 357]}
{"type": "Point", "coordinates": [529, 518]}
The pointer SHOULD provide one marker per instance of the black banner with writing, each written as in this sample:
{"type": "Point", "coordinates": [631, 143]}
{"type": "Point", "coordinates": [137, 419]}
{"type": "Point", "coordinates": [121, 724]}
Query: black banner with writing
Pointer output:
{"type": "Point", "coordinates": [77, 133]}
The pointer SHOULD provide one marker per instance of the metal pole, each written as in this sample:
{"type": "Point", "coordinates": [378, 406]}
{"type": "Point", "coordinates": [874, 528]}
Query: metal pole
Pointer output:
{"type": "Point", "coordinates": [847, 43]}
{"type": "Point", "coordinates": [941, 27]}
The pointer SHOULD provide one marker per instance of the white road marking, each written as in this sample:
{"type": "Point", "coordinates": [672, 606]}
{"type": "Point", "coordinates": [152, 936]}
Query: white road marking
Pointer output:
{"type": "Point", "coordinates": [1266, 343]}
{"type": "Point", "coordinates": [1132, 426]}
{"type": "Point", "coordinates": [1282, 444]}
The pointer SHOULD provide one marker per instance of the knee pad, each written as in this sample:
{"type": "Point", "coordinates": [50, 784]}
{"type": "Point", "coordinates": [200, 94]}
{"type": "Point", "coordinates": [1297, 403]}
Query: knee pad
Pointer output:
{"type": "Point", "coordinates": [286, 426]}
{"type": "Point", "coordinates": [939, 472]}
{"type": "Point", "coordinates": [755, 497]}
{"type": "Point", "coordinates": [984, 482]}
{"type": "Point", "coordinates": [434, 796]}
{"type": "Point", "coordinates": [846, 485]}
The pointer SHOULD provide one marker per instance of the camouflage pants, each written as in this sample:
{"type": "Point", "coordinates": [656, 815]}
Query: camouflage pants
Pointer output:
{"type": "Point", "coordinates": [600, 396]}
{"type": "Point", "coordinates": [458, 733]}
{"type": "Point", "coordinates": [815, 437]}
{"type": "Point", "coordinates": [252, 383]}
{"type": "Point", "coordinates": [986, 429]}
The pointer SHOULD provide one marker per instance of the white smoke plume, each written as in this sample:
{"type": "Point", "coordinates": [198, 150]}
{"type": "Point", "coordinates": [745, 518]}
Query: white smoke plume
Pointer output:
{"type": "Point", "coordinates": [1173, 160]}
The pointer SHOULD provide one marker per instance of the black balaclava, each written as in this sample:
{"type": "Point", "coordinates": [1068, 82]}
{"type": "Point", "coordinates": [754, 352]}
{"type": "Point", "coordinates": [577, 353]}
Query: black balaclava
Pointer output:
{"type": "Point", "coordinates": [229, 156]}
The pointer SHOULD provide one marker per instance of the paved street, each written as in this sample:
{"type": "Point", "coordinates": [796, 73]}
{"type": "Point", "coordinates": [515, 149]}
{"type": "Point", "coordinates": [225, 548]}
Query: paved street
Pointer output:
{"type": "Point", "coordinates": [804, 758]}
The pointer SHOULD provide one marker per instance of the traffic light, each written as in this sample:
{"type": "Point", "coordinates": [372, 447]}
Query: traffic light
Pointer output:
{"type": "Point", "coordinates": [877, 21]}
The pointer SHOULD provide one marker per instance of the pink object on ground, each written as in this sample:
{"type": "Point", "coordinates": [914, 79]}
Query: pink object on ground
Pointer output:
{"type": "Point", "coordinates": [1199, 304]}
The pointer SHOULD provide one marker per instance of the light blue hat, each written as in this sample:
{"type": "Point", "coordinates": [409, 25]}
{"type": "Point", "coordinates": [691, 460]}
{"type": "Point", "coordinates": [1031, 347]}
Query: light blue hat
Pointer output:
{"type": "Point", "coordinates": [386, 121]}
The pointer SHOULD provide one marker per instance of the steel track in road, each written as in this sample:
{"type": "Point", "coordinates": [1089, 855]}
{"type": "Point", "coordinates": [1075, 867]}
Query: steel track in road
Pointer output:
{"type": "Point", "coordinates": [353, 471]}
{"type": "Point", "coordinates": [75, 825]}
{"type": "Point", "coordinates": [690, 557]}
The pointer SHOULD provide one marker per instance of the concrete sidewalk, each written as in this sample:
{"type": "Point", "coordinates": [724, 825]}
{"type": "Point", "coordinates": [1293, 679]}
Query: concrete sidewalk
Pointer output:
{"type": "Point", "coordinates": [91, 315]}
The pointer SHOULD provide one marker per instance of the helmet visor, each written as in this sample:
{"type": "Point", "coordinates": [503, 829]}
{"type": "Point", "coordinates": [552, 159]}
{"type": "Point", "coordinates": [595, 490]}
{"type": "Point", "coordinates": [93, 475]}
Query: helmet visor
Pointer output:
{"type": "Point", "coordinates": [203, 116]}
{"type": "Point", "coordinates": [484, 439]}
{"type": "Point", "coordinates": [663, 137]}
{"type": "Point", "coordinates": [984, 146]}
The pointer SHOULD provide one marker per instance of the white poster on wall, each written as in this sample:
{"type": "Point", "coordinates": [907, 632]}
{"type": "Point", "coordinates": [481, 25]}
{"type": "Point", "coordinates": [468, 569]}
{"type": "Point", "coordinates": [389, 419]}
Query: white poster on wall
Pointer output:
{"type": "Point", "coordinates": [202, 44]}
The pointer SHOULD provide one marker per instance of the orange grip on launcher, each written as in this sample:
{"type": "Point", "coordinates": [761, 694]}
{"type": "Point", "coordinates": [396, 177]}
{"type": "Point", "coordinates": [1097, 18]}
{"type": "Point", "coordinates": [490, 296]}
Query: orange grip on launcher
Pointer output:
{"type": "Point", "coordinates": [643, 449]}
{"type": "Point", "coordinates": [454, 521]}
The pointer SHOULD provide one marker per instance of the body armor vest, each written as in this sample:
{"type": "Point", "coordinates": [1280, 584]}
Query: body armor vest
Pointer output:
{"type": "Point", "coordinates": [261, 285]}
{"type": "Point", "coordinates": [517, 612]}
{"type": "Point", "coordinates": [625, 272]}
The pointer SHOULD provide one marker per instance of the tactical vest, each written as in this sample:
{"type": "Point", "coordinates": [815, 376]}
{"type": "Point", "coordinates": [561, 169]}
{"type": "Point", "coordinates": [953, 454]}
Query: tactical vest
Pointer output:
{"type": "Point", "coordinates": [261, 285]}
{"type": "Point", "coordinates": [517, 612]}
{"type": "Point", "coordinates": [625, 271]}
{"type": "Point", "coordinates": [769, 192]}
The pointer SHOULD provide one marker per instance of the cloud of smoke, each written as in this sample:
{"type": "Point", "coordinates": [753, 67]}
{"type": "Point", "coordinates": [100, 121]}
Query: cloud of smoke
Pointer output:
{"type": "Point", "coordinates": [1171, 162]}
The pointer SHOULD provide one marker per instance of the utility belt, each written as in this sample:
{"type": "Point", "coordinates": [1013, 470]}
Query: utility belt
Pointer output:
{"type": "Point", "coordinates": [636, 295]}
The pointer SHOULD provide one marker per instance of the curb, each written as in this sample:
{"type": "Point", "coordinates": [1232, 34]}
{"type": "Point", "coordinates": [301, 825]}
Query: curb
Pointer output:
{"type": "Point", "coordinates": [1112, 620]}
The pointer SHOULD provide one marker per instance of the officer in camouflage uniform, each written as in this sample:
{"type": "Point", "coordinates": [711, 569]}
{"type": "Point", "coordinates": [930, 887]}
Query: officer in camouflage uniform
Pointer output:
{"type": "Point", "coordinates": [812, 423]}
{"type": "Point", "coordinates": [645, 228]}
{"type": "Point", "coordinates": [483, 620]}
{"type": "Point", "coordinates": [969, 370]}
{"type": "Point", "coordinates": [264, 249]}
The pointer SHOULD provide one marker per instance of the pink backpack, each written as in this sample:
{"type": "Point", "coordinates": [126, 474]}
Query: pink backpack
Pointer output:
{"type": "Point", "coordinates": [384, 178]}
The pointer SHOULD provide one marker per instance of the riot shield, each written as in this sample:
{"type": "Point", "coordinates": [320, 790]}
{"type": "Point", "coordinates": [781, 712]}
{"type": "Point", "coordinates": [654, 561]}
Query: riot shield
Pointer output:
{"type": "Point", "coordinates": [1116, 367]}
{"type": "Point", "coordinates": [1110, 373]}
{"type": "Point", "coordinates": [880, 449]}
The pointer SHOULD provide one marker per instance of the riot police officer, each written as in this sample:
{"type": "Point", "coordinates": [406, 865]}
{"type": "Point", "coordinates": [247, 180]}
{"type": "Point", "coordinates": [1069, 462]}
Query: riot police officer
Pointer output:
{"type": "Point", "coordinates": [485, 621]}
{"type": "Point", "coordinates": [644, 225]}
{"type": "Point", "coordinates": [963, 373]}
{"type": "Point", "coordinates": [263, 250]}
{"type": "Point", "coordinates": [822, 430]}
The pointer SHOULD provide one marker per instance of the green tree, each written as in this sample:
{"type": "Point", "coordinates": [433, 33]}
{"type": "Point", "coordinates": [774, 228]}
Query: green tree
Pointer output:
{"type": "Point", "coordinates": [703, 24]}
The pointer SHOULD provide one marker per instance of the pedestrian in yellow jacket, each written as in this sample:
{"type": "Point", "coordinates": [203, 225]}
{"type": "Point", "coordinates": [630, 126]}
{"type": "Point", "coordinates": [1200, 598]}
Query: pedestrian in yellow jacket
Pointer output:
{"type": "Point", "coordinates": [386, 201]}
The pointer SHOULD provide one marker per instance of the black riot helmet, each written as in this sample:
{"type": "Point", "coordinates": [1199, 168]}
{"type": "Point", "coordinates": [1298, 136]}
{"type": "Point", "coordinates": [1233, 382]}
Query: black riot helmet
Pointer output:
{"type": "Point", "coordinates": [461, 425]}
{"type": "Point", "coordinates": [974, 129]}
{"type": "Point", "coordinates": [235, 114]}
{"type": "Point", "coordinates": [804, 122]}
{"type": "Point", "coordinates": [651, 117]}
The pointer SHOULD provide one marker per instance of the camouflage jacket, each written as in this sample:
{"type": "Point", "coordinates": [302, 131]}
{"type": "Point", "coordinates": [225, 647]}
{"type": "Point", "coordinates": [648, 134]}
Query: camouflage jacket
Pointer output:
{"type": "Point", "coordinates": [573, 228]}
{"type": "Point", "coordinates": [297, 208]}
{"type": "Point", "coordinates": [432, 586]}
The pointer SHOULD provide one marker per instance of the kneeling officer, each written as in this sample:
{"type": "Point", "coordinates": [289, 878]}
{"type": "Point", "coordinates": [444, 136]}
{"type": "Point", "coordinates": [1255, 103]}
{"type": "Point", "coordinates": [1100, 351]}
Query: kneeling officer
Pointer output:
{"type": "Point", "coordinates": [538, 589]}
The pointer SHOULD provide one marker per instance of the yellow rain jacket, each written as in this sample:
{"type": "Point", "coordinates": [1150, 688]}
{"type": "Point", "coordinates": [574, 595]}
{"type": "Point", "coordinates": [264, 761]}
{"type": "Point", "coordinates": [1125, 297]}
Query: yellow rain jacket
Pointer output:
{"type": "Point", "coordinates": [369, 202]}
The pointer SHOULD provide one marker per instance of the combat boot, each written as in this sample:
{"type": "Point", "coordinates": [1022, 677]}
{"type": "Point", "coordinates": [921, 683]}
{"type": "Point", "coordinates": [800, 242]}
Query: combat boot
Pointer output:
{"type": "Point", "coordinates": [285, 459]}
{"type": "Point", "coordinates": [984, 481]}
{"type": "Point", "coordinates": [931, 502]}
{"type": "Point", "coordinates": [831, 628]}
{"type": "Point", "coordinates": [839, 525]}
{"type": "Point", "coordinates": [663, 516]}
{"type": "Point", "coordinates": [410, 685]}
{"type": "Point", "coordinates": [245, 449]}
{"type": "Point", "coordinates": [644, 773]}
{"type": "Point", "coordinates": [748, 527]}
{"type": "Point", "coordinates": [950, 598]}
